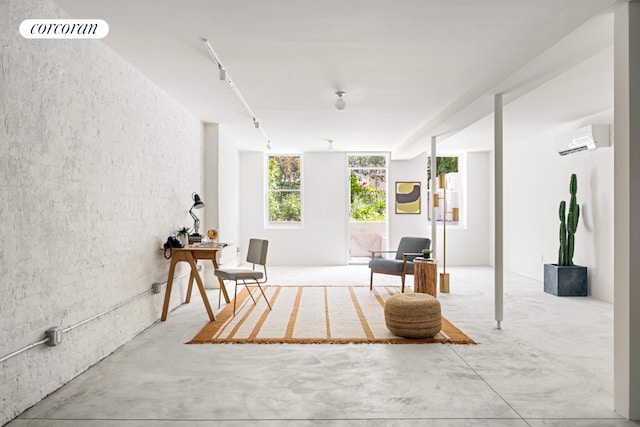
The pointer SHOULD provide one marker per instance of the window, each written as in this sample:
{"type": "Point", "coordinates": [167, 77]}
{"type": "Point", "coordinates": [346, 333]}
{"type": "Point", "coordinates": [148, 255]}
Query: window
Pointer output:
{"type": "Point", "coordinates": [450, 169]}
{"type": "Point", "coordinates": [284, 190]}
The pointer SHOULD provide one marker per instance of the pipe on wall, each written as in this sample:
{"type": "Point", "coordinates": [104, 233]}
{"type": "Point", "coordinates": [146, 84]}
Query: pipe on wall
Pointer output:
{"type": "Point", "coordinates": [77, 325]}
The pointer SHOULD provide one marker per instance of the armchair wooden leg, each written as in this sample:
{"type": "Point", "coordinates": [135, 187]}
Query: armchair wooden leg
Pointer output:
{"type": "Point", "coordinates": [371, 281]}
{"type": "Point", "coordinates": [402, 283]}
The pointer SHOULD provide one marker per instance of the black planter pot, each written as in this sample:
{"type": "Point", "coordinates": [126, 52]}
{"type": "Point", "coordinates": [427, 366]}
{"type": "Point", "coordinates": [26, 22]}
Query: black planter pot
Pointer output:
{"type": "Point", "coordinates": [565, 281]}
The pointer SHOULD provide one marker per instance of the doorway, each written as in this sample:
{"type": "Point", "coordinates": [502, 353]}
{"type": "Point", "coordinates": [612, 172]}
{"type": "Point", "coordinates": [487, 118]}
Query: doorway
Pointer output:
{"type": "Point", "coordinates": [368, 202]}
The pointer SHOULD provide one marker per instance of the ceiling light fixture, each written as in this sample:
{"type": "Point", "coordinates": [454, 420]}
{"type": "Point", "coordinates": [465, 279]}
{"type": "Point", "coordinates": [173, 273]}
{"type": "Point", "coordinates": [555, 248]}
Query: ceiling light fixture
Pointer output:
{"type": "Point", "coordinates": [224, 75]}
{"type": "Point", "coordinates": [340, 103]}
{"type": "Point", "coordinates": [330, 147]}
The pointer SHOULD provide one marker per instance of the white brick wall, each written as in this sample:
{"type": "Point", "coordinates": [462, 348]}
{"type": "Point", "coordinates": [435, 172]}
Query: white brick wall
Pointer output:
{"type": "Point", "coordinates": [96, 169]}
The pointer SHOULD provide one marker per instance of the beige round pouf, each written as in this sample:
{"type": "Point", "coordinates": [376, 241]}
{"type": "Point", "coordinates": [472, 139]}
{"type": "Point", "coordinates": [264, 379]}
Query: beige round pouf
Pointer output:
{"type": "Point", "coordinates": [413, 315]}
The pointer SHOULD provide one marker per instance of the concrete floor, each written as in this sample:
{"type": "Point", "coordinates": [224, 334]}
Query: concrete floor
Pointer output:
{"type": "Point", "coordinates": [550, 365]}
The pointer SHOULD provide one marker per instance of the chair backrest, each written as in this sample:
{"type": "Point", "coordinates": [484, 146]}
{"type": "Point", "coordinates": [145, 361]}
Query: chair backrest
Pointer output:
{"type": "Point", "coordinates": [412, 245]}
{"type": "Point", "coordinates": [257, 252]}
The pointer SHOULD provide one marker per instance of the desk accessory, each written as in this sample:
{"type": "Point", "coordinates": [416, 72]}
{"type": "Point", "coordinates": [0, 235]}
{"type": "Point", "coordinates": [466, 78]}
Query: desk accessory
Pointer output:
{"type": "Point", "coordinates": [197, 204]}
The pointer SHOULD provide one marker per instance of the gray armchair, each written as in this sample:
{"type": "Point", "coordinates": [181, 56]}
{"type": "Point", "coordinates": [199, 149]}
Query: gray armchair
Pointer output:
{"type": "Point", "coordinates": [408, 249]}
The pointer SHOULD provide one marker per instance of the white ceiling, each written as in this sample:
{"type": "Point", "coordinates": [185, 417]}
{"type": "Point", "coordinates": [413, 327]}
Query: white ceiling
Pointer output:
{"type": "Point", "coordinates": [410, 68]}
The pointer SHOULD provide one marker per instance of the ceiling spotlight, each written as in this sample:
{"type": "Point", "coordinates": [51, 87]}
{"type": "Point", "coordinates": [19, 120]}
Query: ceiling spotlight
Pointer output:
{"type": "Point", "coordinates": [330, 147]}
{"type": "Point", "coordinates": [224, 75]}
{"type": "Point", "coordinates": [340, 104]}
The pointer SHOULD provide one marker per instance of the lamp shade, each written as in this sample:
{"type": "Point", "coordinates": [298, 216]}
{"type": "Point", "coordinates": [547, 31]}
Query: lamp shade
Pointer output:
{"type": "Point", "coordinates": [340, 102]}
{"type": "Point", "coordinates": [197, 202]}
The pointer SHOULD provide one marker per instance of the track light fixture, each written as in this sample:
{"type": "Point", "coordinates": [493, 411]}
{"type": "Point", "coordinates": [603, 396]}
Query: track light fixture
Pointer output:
{"type": "Point", "coordinates": [224, 75]}
{"type": "Point", "coordinates": [330, 147]}
{"type": "Point", "coordinates": [340, 103]}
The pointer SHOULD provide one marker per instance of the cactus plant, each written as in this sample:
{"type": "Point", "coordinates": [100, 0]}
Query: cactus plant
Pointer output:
{"type": "Point", "coordinates": [569, 226]}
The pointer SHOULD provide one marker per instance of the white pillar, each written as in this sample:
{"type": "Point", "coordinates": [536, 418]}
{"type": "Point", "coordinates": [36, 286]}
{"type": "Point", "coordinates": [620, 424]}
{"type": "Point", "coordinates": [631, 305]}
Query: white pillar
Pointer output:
{"type": "Point", "coordinates": [210, 193]}
{"type": "Point", "coordinates": [626, 292]}
{"type": "Point", "coordinates": [498, 189]}
{"type": "Point", "coordinates": [432, 186]}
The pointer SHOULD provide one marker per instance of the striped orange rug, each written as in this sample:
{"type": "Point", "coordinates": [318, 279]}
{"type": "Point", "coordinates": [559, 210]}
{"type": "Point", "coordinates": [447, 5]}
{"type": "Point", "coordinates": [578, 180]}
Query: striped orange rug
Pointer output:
{"type": "Point", "coordinates": [313, 315]}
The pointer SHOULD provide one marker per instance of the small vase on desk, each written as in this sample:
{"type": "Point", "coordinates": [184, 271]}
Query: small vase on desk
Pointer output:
{"type": "Point", "coordinates": [184, 239]}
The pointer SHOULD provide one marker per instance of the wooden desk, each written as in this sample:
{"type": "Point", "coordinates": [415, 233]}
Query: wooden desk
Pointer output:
{"type": "Point", "coordinates": [425, 277]}
{"type": "Point", "coordinates": [190, 254]}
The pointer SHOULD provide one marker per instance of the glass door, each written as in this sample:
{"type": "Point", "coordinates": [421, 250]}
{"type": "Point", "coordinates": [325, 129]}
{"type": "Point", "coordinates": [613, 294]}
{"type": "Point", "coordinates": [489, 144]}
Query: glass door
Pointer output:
{"type": "Point", "coordinates": [367, 205]}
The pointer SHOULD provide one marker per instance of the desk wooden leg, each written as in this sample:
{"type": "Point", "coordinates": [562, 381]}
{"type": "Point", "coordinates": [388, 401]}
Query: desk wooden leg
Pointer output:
{"type": "Point", "coordinates": [167, 292]}
{"type": "Point", "coordinates": [223, 289]}
{"type": "Point", "coordinates": [194, 270]}
{"type": "Point", "coordinates": [190, 288]}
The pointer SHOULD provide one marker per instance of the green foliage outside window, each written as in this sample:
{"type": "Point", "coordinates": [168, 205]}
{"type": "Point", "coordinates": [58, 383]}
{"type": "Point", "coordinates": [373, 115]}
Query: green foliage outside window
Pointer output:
{"type": "Point", "coordinates": [367, 161]}
{"type": "Point", "coordinates": [367, 203]}
{"type": "Point", "coordinates": [445, 166]}
{"type": "Point", "coordinates": [368, 188]}
{"type": "Point", "coordinates": [284, 189]}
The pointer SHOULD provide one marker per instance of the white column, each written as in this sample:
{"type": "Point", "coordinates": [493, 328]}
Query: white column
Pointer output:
{"type": "Point", "coordinates": [626, 292]}
{"type": "Point", "coordinates": [498, 177]}
{"type": "Point", "coordinates": [432, 186]}
{"type": "Point", "coordinates": [210, 193]}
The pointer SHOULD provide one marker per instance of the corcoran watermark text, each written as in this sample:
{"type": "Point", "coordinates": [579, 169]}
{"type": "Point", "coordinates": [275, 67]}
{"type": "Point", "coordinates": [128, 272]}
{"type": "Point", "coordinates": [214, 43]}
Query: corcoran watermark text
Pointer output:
{"type": "Point", "coordinates": [64, 29]}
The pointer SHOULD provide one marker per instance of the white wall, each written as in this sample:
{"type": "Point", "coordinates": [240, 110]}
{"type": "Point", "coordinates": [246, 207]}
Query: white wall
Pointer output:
{"type": "Point", "coordinates": [536, 179]}
{"type": "Point", "coordinates": [467, 244]}
{"type": "Point", "coordinates": [626, 327]}
{"type": "Point", "coordinates": [221, 197]}
{"type": "Point", "coordinates": [97, 166]}
{"type": "Point", "coordinates": [321, 240]}
{"type": "Point", "coordinates": [413, 225]}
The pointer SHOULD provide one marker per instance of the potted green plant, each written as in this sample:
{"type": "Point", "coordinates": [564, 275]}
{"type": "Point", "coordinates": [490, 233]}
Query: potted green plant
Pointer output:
{"type": "Point", "coordinates": [183, 235]}
{"type": "Point", "coordinates": [565, 278]}
{"type": "Point", "coordinates": [426, 253]}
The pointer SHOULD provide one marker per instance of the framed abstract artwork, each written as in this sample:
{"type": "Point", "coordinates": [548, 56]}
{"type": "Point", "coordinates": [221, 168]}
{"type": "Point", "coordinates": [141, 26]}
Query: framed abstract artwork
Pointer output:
{"type": "Point", "coordinates": [407, 197]}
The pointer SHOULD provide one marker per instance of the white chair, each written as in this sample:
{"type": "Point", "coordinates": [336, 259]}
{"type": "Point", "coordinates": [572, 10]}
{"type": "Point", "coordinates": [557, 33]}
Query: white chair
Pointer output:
{"type": "Point", "coordinates": [256, 255]}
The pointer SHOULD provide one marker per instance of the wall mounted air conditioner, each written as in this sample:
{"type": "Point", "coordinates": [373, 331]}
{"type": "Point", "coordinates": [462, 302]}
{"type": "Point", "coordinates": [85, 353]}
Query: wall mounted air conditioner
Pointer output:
{"type": "Point", "coordinates": [584, 139]}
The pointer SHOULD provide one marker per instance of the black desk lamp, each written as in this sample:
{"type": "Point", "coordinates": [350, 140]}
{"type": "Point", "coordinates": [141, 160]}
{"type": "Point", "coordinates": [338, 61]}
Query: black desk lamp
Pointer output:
{"type": "Point", "coordinates": [197, 204]}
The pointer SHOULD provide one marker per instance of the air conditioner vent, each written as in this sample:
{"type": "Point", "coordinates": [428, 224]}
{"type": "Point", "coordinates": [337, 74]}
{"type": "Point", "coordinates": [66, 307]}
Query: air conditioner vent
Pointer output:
{"type": "Point", "coordinates": [584, 139]}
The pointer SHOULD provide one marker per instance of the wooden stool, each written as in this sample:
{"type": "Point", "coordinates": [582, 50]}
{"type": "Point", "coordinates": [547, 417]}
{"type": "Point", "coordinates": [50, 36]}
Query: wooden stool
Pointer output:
{"type": "Point", "coordinates": [413, 315]}
{"type": "Point", "coordinates": [425, 273]}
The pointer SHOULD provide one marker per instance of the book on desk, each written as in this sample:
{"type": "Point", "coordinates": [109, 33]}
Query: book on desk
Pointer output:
{"type": "Point", "coordinates": [216, 245]}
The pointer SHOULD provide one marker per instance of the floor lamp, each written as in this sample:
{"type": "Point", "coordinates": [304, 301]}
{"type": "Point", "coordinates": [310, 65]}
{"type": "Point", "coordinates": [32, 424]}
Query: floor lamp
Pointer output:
{"type": "Point", "coordinates": [444, 276]}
